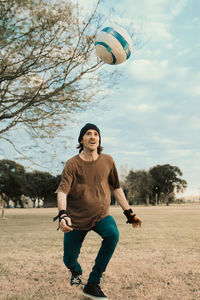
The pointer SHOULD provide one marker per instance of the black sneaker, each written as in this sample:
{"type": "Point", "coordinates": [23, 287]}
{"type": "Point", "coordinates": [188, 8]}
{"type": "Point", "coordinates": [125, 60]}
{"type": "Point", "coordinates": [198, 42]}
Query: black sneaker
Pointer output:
{"type": "Point", "coordinates": [93, 291]}
{"type": "Point", "coordinates": [75, 280]}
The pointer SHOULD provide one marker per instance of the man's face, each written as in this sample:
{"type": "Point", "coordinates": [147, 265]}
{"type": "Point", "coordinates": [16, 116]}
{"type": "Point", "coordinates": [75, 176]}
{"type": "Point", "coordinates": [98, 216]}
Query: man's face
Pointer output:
{"type": "Point", "coordinates": [90, 140]}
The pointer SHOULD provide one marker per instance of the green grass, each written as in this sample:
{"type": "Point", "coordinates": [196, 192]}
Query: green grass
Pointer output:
{"type": "Point", "coordinates": [160, 261]}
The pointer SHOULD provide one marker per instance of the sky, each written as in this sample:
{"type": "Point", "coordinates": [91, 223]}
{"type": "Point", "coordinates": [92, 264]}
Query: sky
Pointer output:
{"type": "Point", "coordinates": [153, 115]}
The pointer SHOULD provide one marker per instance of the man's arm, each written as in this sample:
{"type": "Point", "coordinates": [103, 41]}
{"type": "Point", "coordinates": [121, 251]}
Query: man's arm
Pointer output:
{"type": "Point", "coordinates": [121, 199]}
{"type": "Point", "coordinates": [61, 201]}
{"type": "Point", "coordinates": [65, 224]}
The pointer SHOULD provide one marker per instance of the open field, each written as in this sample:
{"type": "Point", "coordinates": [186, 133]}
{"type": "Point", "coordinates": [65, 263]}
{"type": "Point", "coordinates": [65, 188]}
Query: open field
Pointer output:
{"type": "Point", "coordinates": [161, 261]}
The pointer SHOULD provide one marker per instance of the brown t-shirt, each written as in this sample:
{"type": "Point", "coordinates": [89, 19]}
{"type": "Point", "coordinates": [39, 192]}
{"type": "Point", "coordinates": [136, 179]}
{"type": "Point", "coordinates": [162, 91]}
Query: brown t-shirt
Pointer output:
{"type": "Point", "coordinates": [88, 186]}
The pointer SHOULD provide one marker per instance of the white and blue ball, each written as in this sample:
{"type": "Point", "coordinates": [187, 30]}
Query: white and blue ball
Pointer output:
{"type": "Point", "coordinates": [113, 45]}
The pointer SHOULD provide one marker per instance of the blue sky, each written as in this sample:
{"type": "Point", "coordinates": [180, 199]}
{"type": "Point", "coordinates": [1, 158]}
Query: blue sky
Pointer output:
{"type": "Point", "coordinates": [153, 117]}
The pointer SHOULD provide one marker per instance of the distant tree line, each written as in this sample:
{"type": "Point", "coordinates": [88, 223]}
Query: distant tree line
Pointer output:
{"type": "Point", "coordinates": [156, 186]}
{"type": "Point", "coordinates": [18, 185]}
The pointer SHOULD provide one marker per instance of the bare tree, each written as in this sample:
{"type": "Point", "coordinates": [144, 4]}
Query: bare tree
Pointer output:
{"type": "Point", "coordinates": [47, 64]}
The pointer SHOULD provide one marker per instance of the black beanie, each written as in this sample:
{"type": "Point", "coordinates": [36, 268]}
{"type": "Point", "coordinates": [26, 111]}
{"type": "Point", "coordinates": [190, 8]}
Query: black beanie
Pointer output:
{"type": "Point", "coordinates": [86, 128]}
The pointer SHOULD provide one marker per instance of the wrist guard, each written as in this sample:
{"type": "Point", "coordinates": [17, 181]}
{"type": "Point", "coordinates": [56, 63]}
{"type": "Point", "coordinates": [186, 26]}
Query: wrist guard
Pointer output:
{"type": "Point", "coordinates": [61, 215]}
{"type": "Point", "coordinates": [130, 216]}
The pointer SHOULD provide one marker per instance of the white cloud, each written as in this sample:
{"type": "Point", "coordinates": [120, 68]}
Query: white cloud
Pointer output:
{"type": "Point", "coordinates": [173, 118]}
{"type": "Point", "coordinates": [146, 70]}
{"type": "Point", "coordinates": [178, 7]}
{"type": "Point", "coordinates": [143, 107]}
{"type": "Point", "coordinates": [195, 20]}
{"type": "Point", "coordinates": [167, 142]}
{"type": "Point", "coordinates": [130, 153]}
{"type": "Point", "coordinates": [195, 122]}
{"type": "Point", "coordinates": [157, 31]}
{"type": "Point", "coordinates": [194, 90]}
{"type": "Point", "coordinates": [110, 140]}
{"type": "Point", "coordinates": [181, 152]}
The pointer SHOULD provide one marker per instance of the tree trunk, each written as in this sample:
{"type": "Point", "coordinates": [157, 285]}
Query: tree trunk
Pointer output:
{"type": "Point", "coordinates": [147, 200]}
{"type": "Point", "coordinates": [3, 210]}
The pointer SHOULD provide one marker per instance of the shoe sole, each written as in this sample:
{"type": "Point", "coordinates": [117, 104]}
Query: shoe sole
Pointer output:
{"type": "Point", "coordinates": [93, 297]}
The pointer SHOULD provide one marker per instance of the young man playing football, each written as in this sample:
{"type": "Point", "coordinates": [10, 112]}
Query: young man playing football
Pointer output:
{"type": "Point", "coordinates": [83, 198]}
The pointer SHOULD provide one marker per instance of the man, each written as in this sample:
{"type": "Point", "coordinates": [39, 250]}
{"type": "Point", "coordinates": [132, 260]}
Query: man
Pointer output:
{"type": "Point", "coordinates": [87, 181]}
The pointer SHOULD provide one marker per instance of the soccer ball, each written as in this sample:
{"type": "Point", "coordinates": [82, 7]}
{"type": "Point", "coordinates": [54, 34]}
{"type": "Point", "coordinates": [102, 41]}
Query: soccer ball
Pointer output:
{"type": "Point", "coordinates": [113, 45]}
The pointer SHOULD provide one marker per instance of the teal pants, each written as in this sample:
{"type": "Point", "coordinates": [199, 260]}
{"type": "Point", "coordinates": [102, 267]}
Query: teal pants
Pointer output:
{"type": "Point", "coordinates": [73, 240]}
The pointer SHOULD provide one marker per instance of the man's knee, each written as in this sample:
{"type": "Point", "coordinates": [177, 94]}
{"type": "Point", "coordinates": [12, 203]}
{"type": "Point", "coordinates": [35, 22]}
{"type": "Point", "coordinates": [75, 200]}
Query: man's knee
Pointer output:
{"type": "Point", "coordinates": [116, 235]}
{"type": "Point", "coordinates": [113, 234]}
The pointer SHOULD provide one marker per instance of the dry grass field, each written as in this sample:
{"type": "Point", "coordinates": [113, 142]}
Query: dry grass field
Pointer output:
{"type": "Point", "coordinates": [161, 261]}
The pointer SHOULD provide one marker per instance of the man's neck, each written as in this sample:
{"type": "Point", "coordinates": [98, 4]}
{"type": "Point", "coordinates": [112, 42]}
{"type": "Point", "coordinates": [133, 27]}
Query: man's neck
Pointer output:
{"type": "Point", "coordinates": [89, 155]}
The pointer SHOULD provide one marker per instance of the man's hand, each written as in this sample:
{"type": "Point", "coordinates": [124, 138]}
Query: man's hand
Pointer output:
{"type": "Point", "coordinates": [65, 224]}
{"type": "Point", "coordinates": [137, 222]}
{"type": "Point", "coordinates": [132, 218]}
{"type": "Point", "coordinates": [64, 221]}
